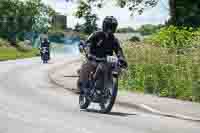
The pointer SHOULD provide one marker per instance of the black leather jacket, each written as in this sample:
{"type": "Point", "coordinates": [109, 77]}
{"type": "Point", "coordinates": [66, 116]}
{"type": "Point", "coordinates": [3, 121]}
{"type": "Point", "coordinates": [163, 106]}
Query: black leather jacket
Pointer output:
{"type": "Point", "coordinates": [45, 44]}
{"type": "Point", "coordinates": [101, 45]}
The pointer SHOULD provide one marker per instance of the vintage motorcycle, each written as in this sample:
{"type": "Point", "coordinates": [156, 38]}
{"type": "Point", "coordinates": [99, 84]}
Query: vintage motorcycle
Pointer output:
{"type": "Point", "coordinates": [105, 97]}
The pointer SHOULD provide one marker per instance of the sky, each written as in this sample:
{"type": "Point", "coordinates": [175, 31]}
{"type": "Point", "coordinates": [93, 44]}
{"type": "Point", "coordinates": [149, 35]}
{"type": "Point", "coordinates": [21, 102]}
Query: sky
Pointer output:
{"type": "Point", "coordinates": [156, 15]}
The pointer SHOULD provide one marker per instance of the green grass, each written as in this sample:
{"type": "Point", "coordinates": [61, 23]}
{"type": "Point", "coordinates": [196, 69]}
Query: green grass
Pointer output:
{"type": "Point", "coordinates": [162, 71]}
{"type": "Point", "coordinates": [22, 50]}
{"type": "Point", "coordinates": [10, 53]}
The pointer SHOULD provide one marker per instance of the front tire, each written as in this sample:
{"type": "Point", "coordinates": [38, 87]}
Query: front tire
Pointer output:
{"type": "Point", "coordinates": [107, 108]}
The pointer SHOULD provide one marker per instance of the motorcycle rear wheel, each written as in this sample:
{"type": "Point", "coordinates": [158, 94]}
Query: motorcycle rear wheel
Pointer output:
{"type": "Point", "coordinates": [83, 102]}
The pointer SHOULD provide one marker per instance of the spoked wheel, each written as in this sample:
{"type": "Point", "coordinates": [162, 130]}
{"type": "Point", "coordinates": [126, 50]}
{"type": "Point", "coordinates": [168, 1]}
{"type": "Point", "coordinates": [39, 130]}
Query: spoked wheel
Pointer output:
{"type": "Point", "coordinates": [110, 96]}
{"type": "Point", "coordinates": [83, 102]}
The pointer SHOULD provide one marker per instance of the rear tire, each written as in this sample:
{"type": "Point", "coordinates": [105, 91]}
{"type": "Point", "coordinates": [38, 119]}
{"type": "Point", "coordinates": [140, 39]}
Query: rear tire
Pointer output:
{"type": "Point", "coordinates": [78, 86]}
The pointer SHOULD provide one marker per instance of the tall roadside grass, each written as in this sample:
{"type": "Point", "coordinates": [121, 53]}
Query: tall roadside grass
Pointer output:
{"type": "Point", "coordinates": [162, 71]}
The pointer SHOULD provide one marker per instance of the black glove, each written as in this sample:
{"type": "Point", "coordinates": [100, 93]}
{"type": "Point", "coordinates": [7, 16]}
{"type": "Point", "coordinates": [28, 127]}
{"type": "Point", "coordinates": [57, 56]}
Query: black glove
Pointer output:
{"type": "Point", "coordinates": [123, 63]}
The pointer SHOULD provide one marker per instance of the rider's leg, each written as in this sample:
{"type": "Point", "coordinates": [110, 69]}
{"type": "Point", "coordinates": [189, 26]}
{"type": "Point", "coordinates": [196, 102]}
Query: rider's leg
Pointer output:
{"type": "Point", "coordinates": [100, 75]}
{"type": "Point", "coordinates": [85, 71]}
{"type": "Point", "coordinates": [108, 75]}
{"type": "Point", "coordinates": [104, 75]}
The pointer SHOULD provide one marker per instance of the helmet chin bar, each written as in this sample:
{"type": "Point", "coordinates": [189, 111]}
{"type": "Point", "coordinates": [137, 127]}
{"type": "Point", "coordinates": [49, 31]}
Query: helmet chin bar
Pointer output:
{"type": "Point", "coordinates": [109, 31]}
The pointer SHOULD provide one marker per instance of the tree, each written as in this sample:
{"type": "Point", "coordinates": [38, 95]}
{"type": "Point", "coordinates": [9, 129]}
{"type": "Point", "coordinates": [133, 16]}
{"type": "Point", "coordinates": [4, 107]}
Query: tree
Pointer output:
{"type": "Point", "coordinates": [173, 11]}
{"type": "Point", "coordinates": [43, 19]}
{"type": "Point", "coordinates": [85, 11]}
{"type": "Point", "coordinates": [18, 17]}
{"type": "Point", "coordinates": [133, 5]}
{"type": "Point", "coordinates": [137, 5]}
{"type": "Point", "coordinates": [185, 12]}
{"type": "Point", "coordinates": [182, 12]}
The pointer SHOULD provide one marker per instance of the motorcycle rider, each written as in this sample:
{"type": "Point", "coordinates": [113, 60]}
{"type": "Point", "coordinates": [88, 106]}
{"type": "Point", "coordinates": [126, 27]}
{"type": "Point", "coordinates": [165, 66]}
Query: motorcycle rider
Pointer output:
{"type": "Point", "coordinates": [45, 43]}
{"type": "Point", "coordinates": [100, 44]}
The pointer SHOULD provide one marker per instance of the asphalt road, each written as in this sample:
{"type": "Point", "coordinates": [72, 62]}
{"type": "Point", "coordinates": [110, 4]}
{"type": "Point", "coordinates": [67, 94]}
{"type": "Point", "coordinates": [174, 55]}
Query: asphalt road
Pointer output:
{"type": "Point", "coordinates": [30, 103]}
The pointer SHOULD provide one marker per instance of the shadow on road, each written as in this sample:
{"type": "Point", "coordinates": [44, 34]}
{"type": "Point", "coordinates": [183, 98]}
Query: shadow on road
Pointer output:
{"type": "Point", "coordinates": [111, 113]}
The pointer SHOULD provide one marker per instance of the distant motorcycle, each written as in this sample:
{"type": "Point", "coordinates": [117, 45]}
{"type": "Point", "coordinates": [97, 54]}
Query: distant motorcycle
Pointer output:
{"type": "Point", "coordinates": [106, 96]}
{"type": "Point", "coordinates": [44, 54]}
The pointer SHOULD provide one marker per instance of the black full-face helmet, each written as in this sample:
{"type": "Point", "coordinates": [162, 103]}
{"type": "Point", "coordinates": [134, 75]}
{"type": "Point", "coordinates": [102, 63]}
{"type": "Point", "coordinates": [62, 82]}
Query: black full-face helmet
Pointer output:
{"type": "Point", "coordinates": [110, 24]}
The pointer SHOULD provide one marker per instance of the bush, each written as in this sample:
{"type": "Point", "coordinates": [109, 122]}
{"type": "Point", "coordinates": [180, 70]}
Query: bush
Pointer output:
{"type": "Point", "coordinates": [135, 39]}
{"type": "Point", "coordinates": [23, 47]}
{"type": "Point", "coordinates": [175, 37]}
{"type": "Point", "coordinates": [4, 43]}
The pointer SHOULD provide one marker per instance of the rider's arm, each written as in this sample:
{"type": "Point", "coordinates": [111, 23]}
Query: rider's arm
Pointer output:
{"type": "Point", "coordinates": [90, 42]}
{"type": "Point", "coordinates": [118, 50]}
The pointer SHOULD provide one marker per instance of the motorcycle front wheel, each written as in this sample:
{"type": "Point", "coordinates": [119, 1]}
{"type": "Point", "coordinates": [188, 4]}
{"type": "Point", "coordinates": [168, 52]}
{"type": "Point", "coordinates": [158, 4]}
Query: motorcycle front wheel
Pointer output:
{"type": "Point", "coordinates": [107, 103]}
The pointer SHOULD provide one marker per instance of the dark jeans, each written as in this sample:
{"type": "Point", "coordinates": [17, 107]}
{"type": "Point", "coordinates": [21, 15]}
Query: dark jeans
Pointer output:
{"type": "Point", "coordinates": [101, 71]}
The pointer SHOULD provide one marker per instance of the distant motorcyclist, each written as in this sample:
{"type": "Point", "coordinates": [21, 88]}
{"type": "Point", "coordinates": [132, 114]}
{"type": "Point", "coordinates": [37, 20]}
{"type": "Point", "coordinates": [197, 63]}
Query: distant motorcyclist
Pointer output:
{"type": "Point", "coordinates": [45, 45]}
{"type": "Point", "coordinates": [100, 44]}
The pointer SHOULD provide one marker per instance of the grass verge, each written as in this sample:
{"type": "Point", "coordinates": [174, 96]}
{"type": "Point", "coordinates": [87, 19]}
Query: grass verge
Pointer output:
{"type": "Point", "coordinates": [10, 53]}
{"type": "Point", "coordinates": [162, 71]}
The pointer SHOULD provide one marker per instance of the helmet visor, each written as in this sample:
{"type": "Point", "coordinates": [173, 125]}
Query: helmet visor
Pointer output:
{"type": "Point", "coordinates": [110, 27]}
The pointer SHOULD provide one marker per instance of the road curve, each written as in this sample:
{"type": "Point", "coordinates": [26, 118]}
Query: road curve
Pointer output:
{"type": "Point", "coordinates": [29, 103]}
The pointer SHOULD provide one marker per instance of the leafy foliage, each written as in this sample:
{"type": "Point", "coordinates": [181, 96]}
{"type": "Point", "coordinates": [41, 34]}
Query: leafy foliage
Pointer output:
{"type": "Point", "coordinates": [137, 5]}
{"type": "Point", "coordinates": [187, 13]}
{"type": "Point", "coordinates": [176, 37]}
{"type": "Point", "coordinates": [182, 12]}
{"type": "Point", "coordinates": [18, 17]}
{"type": "Point", "coordinates": [85, 11]}
{"type": "Point", "coordinates": [135, 39]}
{"type": "Point", "coordinates": [133, 5]}
{"type": "Point", "coordinates": [4, 43]}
